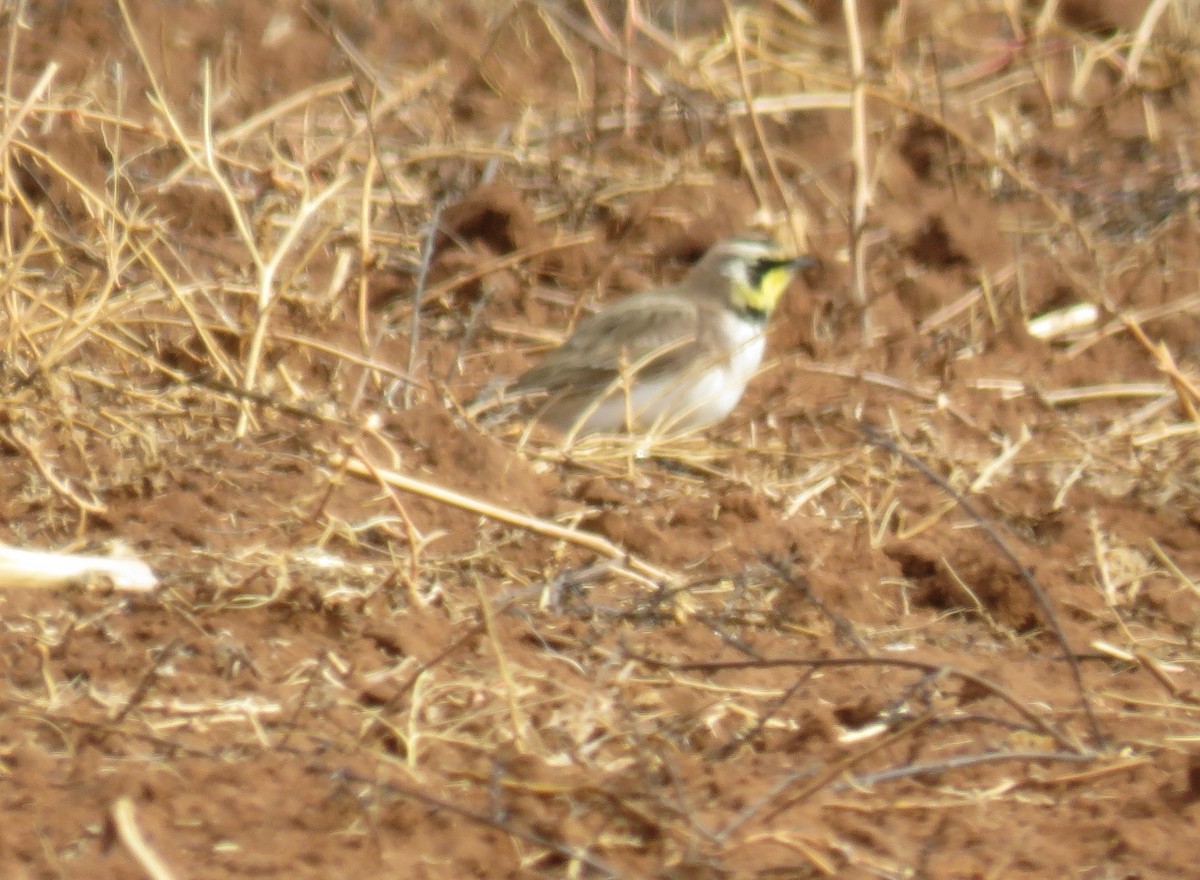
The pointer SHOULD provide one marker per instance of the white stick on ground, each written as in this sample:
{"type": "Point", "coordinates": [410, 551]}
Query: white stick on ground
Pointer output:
{"type": "Point", "coordinates": [41, 570]}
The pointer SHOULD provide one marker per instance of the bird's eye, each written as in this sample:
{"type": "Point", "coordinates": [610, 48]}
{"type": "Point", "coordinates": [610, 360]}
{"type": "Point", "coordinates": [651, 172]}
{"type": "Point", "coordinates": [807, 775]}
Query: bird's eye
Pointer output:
{"type": "Point", "coordinates": [758, 269]}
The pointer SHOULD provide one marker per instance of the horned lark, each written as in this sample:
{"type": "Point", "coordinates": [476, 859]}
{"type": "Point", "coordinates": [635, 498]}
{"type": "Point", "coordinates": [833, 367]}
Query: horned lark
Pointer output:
{"type": "Point", "coordinates": [668, 360]}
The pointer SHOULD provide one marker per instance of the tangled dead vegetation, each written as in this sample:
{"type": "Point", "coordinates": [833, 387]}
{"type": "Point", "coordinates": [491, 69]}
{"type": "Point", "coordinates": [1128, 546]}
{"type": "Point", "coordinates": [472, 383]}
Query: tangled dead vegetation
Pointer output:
{"type": "Point", "coordinates": [926, 604]}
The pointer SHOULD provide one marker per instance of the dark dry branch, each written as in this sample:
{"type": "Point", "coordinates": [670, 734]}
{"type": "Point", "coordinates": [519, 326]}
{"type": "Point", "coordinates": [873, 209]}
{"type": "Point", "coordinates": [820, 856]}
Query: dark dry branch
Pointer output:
{"type": "Point", "coordinates": [194, 244]}
{"type": "Point", "coordinates": [871, 433]}
{"type": "Point", "coordinates": [1036, 721]}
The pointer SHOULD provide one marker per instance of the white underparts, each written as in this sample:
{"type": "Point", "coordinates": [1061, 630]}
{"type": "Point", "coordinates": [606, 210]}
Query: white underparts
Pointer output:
{"type": "Point", "coordinates": [694, 398]}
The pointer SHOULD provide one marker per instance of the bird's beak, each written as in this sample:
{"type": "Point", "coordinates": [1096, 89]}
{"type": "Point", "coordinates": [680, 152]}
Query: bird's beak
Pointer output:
{"type": "Point", "coordinates": [792, 265]}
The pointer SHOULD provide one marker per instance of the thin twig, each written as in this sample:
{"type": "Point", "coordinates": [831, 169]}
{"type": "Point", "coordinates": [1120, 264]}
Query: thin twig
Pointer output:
{"type": "Point", "coordinates": [860, 164]}
{"type": "Point", "coordinates": [125, 822]}
{"type": "Point", "coordinates": [414, 327]}
{"type": "Point", "coordinates": [1037, 721]}
{"type": "Point", "coordinates": [936, 768]}
{"type": "Point", "coordinates": [734, 20]}
{"type": "Point", "coordinates": [1027, 576]}
{"type": "Point", "coordinates": [1141, 39]}
{"type": "Point", "coordinates": [586, 540]}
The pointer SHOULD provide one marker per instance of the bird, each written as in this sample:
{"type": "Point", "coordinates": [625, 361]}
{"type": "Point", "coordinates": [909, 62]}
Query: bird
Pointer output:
{"type": "Point", "coordinates": [669, 360]}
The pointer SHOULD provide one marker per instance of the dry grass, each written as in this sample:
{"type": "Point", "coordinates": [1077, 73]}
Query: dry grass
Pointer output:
{"type": "Point", "coordinates": [121, 335]}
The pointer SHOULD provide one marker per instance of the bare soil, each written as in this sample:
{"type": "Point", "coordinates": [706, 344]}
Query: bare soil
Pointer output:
{"type": "Point", "coordinates": [926, 605]}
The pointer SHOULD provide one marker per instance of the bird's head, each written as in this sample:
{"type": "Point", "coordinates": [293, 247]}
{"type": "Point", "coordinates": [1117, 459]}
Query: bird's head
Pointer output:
{"type": "Point", "coordinates": [753, 273]}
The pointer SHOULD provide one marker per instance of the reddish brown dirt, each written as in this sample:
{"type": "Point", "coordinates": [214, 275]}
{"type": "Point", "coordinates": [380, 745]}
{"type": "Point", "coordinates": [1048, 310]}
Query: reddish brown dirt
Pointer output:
{"type": "Point", "coordinates": [841, 673]}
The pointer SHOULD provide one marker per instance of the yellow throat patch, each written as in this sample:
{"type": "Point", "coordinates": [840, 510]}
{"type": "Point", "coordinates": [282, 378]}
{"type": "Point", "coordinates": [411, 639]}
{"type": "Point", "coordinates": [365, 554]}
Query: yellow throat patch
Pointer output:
{"type": "Point", "coordinates": [762, 298]}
